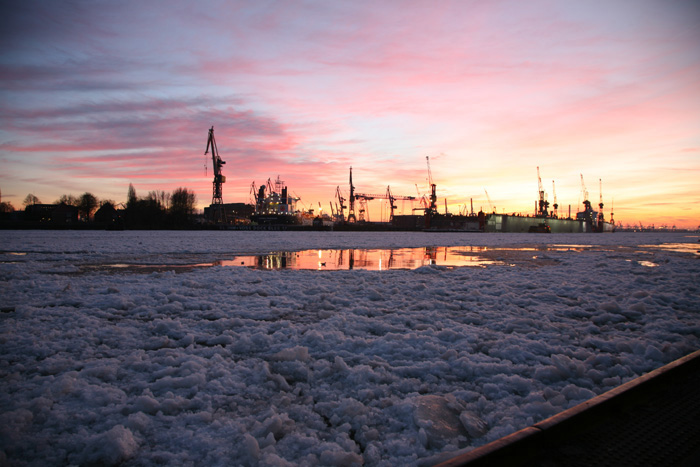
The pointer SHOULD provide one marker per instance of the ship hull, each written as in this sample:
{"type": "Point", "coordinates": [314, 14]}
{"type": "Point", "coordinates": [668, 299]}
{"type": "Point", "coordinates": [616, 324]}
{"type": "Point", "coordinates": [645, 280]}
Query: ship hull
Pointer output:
{"type": "Point", "coordinates": [523, 224]}
{"type": "Point", "coordinates": [275, 219]}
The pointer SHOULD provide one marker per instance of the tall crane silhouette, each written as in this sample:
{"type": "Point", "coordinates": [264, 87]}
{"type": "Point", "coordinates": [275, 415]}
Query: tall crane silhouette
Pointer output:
{"type": "Point", "coordinates": [488, 198]}
{"type": "Point", "coordinates": [601, 218]}
{"type": "Point", "coordinates": [543, 203]}
{"type": "Point", "coordinates": [217, 202]}
{"type": "Point", "coordinates": [433, 195]}
{"type": "Point", "coordinates": [351, 210]}
{"type": "Point", "coordinates": [584, 194]}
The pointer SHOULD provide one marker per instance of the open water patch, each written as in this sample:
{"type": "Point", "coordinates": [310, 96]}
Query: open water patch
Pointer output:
{"type": "Point", "coordinates": [381, 259]}
{"type": "Point", "coordinates": [331, 260]}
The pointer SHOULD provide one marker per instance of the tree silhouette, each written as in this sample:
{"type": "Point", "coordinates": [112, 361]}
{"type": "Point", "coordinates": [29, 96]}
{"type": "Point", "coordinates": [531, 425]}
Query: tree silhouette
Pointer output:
{"type": "Point", "coordinates": [182, 203]}
{"type": "Point", "coordinates": [30, 199]}
{"type": "Point", "coordinates": [87, 205]}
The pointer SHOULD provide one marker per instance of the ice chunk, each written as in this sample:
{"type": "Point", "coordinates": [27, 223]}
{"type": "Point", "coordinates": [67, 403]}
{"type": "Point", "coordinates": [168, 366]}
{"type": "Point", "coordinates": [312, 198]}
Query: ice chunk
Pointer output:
{"type": "Point", "coordinates": [110, 448]}
{"type": "Point", "coordinates": [474, 425]}
{"type": "Point", "coordinates": [294, 353]}
{"type": "Point", "coordinates": [440, 422]}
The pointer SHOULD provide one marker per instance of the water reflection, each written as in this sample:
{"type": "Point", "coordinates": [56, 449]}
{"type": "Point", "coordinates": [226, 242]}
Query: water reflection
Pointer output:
{"type": "Point", "coordinates": [367, 259]}
{"type": "Point", "coordinates": [676, 247]}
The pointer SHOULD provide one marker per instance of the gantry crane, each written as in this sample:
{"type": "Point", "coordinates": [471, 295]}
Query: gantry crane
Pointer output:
{"type": "Point", "coordinates": [388, 196]}
{"type": "Point", "coordinates": [217, 202]}
{"type": "Point", "coordinates": [555, 205]}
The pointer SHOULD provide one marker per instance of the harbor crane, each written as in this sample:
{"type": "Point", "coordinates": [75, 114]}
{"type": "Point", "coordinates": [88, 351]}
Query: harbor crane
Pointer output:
{"type": "Point", "coordinates": [351, 210]}
{"type": "Point", "coordinates": [584, 194]}
{"type": "Point", "coordinates": [488, 198]}
{"type": "Point", "coordinates": [362, 198]}
{"type": "Point", "coordinates": [340, 205]}
{"type": "Point", "coordinates": [432, 208]}
{"type": "Point", "coordinates": [388, 196]}
{"type": "Point", "coordinates": [543, 208]}
{"type": "Point", "coordinates": [217, 202]}
{"type": "Point", "coordinates": [253, 195]}
{"type": "Point", "coordinates": [422, 200]}
{"type": "Point", "coordinates": [600, 203]}
{"type": "Point", "coordinates": [612, 213]}
{"type": "Point", "coordinates": [555, 205]}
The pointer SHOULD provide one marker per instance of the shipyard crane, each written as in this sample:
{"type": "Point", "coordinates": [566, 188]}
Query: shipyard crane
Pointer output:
{"type": "Point", "coordinates": [584, 194]}
{"type": "Point", "coordinates": [612, 208]}
{"type": "Point", "coordinates": [351, 211]}
{"type": "Point", "coordinates": [555, 205]}
{"type": "Point", "coordinates": [392, 198]}
{"type": "Point", "coordinates": [488, 198]}
{"type": "Point", "coordinates": [341, 201]}
{"type": "Point", "coordinates": [422, 201]}
{"type": "Point", "coordinates": [543, 203]}
{"type": "Point", "coordinates": [253, 195]}
{"type": "Point", "coordinates": [217, 202]}
{"type": "Point", "coordinates": [339, 213]}
{"type": "Point", "coordinates": [433, 196]}
{"type": "Point", "coordinates": [600, 204]}
{"type": "Point", "coordinates": [363, 209]}
{"type": "Point", "coordinates": [364, 197]}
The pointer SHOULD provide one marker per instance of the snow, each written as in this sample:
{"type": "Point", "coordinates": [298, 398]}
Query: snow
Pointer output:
{"type": "Point", "coordinates": [222, 365]}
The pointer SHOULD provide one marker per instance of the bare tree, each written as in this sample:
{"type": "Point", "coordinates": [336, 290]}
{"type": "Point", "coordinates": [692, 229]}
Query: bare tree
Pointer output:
{"type": "Point", "coordinates": [70, 200]}
{"type": "Point", "coordinates": [87, 205]}
{"type": "Point", "coordinates": [30, 199]}
{"type": "Point", "coordinates": [6, 206]}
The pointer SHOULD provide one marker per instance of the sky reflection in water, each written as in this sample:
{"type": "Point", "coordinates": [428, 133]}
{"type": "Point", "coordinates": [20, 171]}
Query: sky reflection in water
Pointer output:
{"type": "Point", "coordinates": [367, 259]}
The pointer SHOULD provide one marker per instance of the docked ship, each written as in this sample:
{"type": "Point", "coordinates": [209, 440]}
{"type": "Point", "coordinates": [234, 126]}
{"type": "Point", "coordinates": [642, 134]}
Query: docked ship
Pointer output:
{"type": "Point", "coordinates": [546, 221]}
{"type": "Point", "coordinates": [274, 205]}
{"type": "Point", "coordinates": [584, 222]}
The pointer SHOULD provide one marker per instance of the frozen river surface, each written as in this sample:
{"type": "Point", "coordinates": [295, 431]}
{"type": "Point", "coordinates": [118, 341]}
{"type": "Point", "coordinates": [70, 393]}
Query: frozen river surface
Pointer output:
{"type": "Point", "coordinates": [150, 348]}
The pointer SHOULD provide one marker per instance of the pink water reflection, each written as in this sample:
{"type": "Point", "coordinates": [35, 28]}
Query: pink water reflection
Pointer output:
{"type": "Point", "coordinates": [367, 259]}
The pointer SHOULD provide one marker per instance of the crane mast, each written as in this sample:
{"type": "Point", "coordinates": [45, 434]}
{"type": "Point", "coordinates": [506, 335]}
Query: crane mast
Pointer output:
{"type": "Point", "coordinates": [217, 202]}
{"type": "Point", "coordinates": [542, 210]}
{"type": "Point", "coordinates": [555, 205]}
{"type": "Point", "coordinates": [340, 211]}
{"type": "Point", "coordinates": [601, 218]}
{"type": "Point", "coordinates": [433, 195]}
{"type": "Point", "coordinates": [488, 198]}
{"type": "Point", "coordinates": [584, 194]}
{"type": "Point", "coordinates": [351, 211]}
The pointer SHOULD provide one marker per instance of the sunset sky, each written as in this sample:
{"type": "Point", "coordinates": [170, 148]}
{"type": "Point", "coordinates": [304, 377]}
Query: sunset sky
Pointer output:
{"type": "Point", "coordinates": [95, 95]}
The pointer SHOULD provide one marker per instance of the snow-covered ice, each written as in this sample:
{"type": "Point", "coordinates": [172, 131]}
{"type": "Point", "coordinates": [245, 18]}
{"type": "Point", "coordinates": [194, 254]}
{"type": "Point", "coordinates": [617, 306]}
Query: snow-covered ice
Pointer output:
{"type": "Point", "coordinates": [228, 365]}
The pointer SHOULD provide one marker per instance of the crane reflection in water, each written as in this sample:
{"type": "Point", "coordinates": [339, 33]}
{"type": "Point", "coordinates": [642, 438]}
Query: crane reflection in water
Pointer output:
{"type": "Point", "coordinates": [366, 259]}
